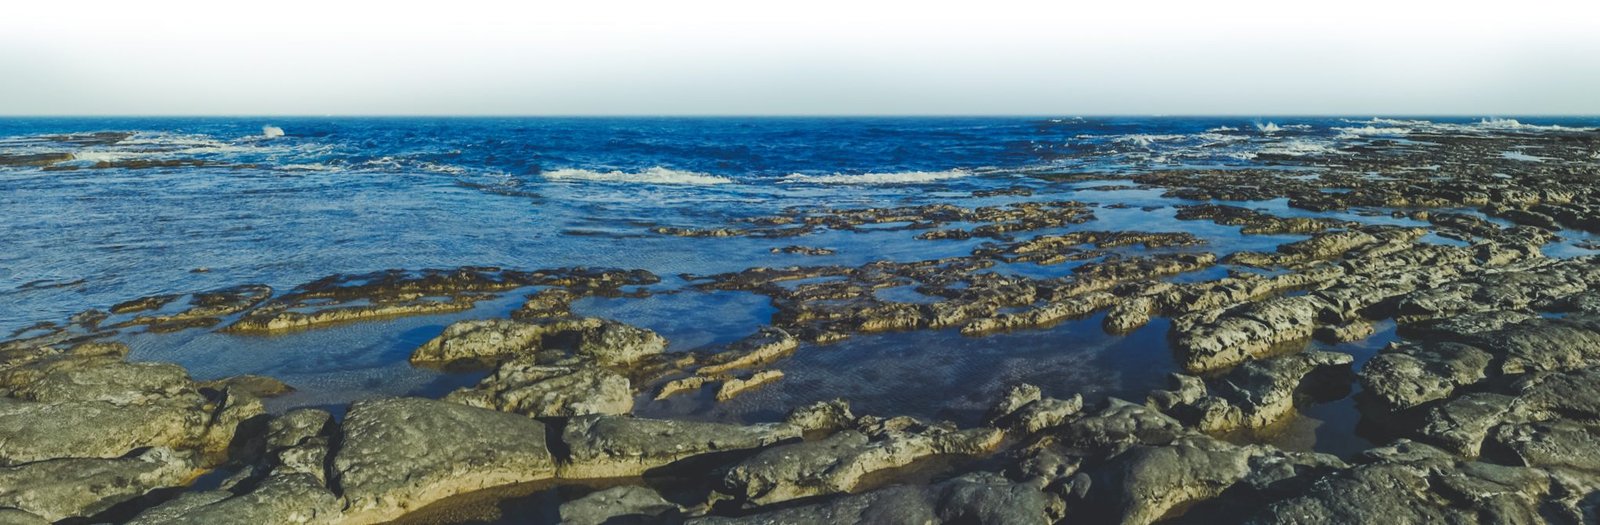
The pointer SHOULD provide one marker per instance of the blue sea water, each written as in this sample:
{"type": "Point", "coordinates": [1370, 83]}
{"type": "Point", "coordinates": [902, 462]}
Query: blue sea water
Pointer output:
{"type": "Point", "coordinates": [350, 195]}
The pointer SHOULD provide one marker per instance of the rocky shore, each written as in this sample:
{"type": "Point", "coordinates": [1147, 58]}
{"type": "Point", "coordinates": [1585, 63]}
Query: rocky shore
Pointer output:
{"type": "Point", "coordinates": [1486, 408]}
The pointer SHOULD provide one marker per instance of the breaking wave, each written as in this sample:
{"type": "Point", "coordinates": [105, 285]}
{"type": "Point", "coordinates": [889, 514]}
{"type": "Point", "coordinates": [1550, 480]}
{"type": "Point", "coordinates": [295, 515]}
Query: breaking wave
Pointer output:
{"type": "Point", "coordinates": [655, 175]}
{"type": "Point", "coordinates": [271, 132]}
{"type": "Point", "coordinates": [901, 177]}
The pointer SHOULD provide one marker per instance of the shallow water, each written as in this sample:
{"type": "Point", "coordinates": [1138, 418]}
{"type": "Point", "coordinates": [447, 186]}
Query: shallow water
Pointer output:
{"type": "Point", "coordinates": [359, 195]}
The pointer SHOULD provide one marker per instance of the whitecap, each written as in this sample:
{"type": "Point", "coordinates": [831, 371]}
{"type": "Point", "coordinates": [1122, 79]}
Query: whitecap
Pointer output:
{"type": "Point", "coordinates": [1370, 130]}
{"type": "Point", "coordinates": [1146, 140]}
{"type": "Point", "coordinates": [902, 177]}
{"type": "Point", "coordinates": [271, 131]}
{"type": "Point", "coordinates": [1299, 148]}
{"type": "Point", "coordinates": [655, 175]}
{"type": "Point", "coordinates": [1268, 128]}
{"type": "Point", "coordinates": [1517, 155]}
{"type": "Point", "coordinates": [1222, 129]}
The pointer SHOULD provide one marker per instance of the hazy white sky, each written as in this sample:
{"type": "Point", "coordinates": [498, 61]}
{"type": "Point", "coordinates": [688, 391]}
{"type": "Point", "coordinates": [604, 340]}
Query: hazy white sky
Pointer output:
{"type": "Point", "coordinates": [811, 57]}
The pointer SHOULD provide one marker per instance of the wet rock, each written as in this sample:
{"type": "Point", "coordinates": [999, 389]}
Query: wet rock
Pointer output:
{"type": "Point", "coordinates": [259, 386]}
{"type": "Point", "coordinates": [735, 386]}
{"type": "Point", "coordinates": [33, 431]}
{"type": "Point", "coordinates": [1551, 444]}
{"type": "Point", "coordinates": [271, 320]}
{"type": "Point", "coordinates": [525, 387]}
{"type": "Point", "coordinates": [1257, 223]}
{"type": "Point", "coordinates": [299, 441]}
{"type": "Point", "coordinates": [20, 517]}
{"type": "Point", "coordinates": [617, 344]}
{"type": "Point", "coordinates": [804, 250]}
{"type": "Point", "coordinates": [548, 303]}
{"type": "Point", "coordinates": [1411, 483]}
{"type": "Point", "coordinates": [98, 379]}
{"type": "Point", "coordinates": [822, 416]}
{"type": "Point", "coordinates": [973, 498]}
{"type": "Point", "coordinates": [1219, 339]}
{"type": "Point", "coordinates": [33, 159]}
{"type": "Point", "coordinates": [490, 340]}
{"type": "Point", "coordinates": [293, 499]}
{"type": "Point", "coordinates": [399, 454]}
{"type": "Point", "coordinates": [625, 504]}
{"type": "Point", "coordinates": [1147, 483]}
{"type": "Point", "coordinates": [1126, 316]}
{"type": "Point", "coordinates": [1260, 393]}
{"type": "Point", "coordinates": [1024, 410]}
{"type": "Point", "coordinates": [202, 309]}
{"type": "Point", "coordinates": [58, 489]}
{"type": "Point", "coordinates": [839, 462]}
{"type": "Point", "coordinates": [1461, 424]}
{"type": "Point", "coordinates": [681, 385]}
{"type": "Point", "coordinates": [1407, 374]}
{"type": "Point", "coordinates": [1117, 425]}
{"type": "Point", "coordinates": [619, 446]}
{"type": "Point", "coordinates": [765, 346]}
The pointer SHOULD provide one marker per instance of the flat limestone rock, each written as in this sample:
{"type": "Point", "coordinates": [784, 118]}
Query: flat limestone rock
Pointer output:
{"type": "Point", "coordinates": [619, 446]}
{"type": "Point", "coordinates": [295, 499]}
{"type": "Point", "coordinates": [79, 487]}
{"type": "Point", "coordinates": [399, 454]}
{"type": "Point", "coordinates": [972, 498]}
{"type": "Point", "coordinates": [524, 387]}
{"type": "Point", "coordinates": [32, 431]}
{"type": "Point", "coordinates": [617, 505]}
{"type": "Point", "coordinates": [117, 382]}
{"type": "Point", "coordinates": [492, 339]}
{"type": "Point", "coordinates": [839, 462]}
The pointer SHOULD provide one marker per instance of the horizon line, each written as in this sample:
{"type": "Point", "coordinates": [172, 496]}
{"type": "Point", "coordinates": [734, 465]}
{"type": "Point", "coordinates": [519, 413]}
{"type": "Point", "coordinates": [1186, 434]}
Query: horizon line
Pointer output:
{"type": "Point", "coordinates": [817, 115]}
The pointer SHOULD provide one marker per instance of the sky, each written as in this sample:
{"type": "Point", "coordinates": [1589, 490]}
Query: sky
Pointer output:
{"type": "Point", "coordinates": [816, 57]}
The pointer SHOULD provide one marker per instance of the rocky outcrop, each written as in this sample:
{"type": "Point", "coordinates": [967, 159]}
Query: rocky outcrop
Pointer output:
{"type": "Point", "coordinates": [492, 340]}
{"type": "Point", "coordinates": [623, 504]}
{"type": "Point", "coordinates": [619, 446]}
{"type": "Point", "coordinates": [58, 489]}
{"type": "Point", "coordinates": [400, 454]}
{"type": "Point", "coordinates": [524, 387]}
{"type": "Point", "coordinates": [972, 498]}
{"type": "Point", "coordinates": [838, 463]}
{"type": "Point", "coordinates": [1257, 394]}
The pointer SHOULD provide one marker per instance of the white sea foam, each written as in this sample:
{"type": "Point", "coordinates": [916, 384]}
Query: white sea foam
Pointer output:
{"type": "Point", "coordinates": [1370, 130]}
{"type": "Point", "coordinates": [1299, 148]}
{"type": "Point", "coordinates": [1517, 155]}
{"type": "Point", "coordinates": [655, 175]}
{"type": "Point", "coordinates": [1221, 129]}
{"type": "Point", "coordinates": [271, 132]}
{"type": "Point", "coordinates": [308, 167]}
{"type": "Point", "coordinates": [1146, 140]}
{"type": "Point", "coordinates": [903, 177]}
{"type": "Point", "coordinates": [1268, 128]}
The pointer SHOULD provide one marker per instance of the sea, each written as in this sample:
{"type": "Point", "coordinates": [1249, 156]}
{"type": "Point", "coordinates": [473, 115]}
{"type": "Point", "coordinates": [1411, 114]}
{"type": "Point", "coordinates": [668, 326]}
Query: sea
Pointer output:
{"type": "Point", "coordinates": [191, 204]}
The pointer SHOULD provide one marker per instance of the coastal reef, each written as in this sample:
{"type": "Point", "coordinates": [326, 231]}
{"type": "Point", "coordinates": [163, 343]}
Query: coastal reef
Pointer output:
{"type": "Point", "coordinates": [1395, 332]}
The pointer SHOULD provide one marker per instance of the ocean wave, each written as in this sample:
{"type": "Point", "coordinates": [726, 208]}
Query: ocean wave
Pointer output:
{"type": "Point", "coordinates": [1299, 148]}
{"type": "Point", "coordinates": [271, 131]}
{"type": "Point", "coordinates": [1144, 140]}
{"type": "Point", "coordinates": [1268, 128]}
{"type": "Point", "coordinates": [655, 175]}
{"type": "Point", "coordinates": [1222, 129]}
{"type": "Point", "coordinates": [901, 177]}
{"type": "Point", "coordinates": [1370, 130]}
